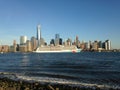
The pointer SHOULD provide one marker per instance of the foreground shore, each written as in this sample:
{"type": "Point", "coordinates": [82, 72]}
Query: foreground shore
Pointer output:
{"type": "Point", "coordinates": [8, 84]}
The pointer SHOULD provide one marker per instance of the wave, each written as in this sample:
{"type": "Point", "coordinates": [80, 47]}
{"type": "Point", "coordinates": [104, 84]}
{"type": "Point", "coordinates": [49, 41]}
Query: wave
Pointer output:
{"type": "Point", "coordinates": [51, 80]}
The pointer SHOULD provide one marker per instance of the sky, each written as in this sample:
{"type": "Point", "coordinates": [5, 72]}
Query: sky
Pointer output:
{"type": "Point", "coordinates": [87, 19]}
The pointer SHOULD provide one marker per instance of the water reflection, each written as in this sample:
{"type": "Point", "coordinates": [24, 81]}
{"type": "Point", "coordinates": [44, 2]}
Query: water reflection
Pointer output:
{"type": "Point", "coordinates": [25, 60]}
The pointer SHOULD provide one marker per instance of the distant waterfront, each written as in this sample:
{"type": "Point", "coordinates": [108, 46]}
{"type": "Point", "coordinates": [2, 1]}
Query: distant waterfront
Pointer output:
{"type": "Point", "coordinates": [26, 45]}
{"type": "Point", "coordinates": [114, 50]}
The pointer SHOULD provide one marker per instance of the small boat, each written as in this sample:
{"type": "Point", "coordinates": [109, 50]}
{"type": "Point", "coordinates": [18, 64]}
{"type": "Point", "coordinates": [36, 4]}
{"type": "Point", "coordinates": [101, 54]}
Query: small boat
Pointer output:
{"type": "Point", "coordinates": [1, 52]}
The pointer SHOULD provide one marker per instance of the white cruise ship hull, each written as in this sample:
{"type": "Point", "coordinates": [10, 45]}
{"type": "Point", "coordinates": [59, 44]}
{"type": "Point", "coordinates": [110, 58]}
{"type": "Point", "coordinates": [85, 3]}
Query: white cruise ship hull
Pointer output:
{"type": "Point", "coordinates": [60, 49]}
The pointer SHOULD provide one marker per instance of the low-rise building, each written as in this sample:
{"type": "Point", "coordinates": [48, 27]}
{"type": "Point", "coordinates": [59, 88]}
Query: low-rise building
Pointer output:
{"type": "Point", "coordinates": [4, 48]}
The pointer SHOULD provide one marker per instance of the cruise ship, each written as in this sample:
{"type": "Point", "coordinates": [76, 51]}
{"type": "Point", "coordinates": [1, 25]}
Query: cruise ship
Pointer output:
{"type": "Point", "coordinates": [57, 49]}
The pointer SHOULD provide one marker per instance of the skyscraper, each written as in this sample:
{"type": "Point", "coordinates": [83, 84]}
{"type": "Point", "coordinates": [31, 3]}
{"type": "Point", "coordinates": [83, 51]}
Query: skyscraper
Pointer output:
{"type": "Point", "coordinates": [52, 42]}
{"type": "Point", "coordinates": [100, 44]}
{"type": "Point", "coordinates": [14, 46]}
{"type": "Point", "coordinates": [23, 40]}
{"type": "Point", "coordinates": [108, 45]}
{"type": "Point", "coordinates": [34, 43]}
{"type": "Point", "coordinates": [60, 41]}
{"type": "Point", "coordinates": [57, 37]}
{"type": "Point", "coordinates": [38, 34]}
{"type": "Point", "coordinates": [77, 43]}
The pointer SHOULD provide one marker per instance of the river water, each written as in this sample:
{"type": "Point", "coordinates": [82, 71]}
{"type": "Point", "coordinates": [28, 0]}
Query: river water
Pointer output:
{"type": "Point", "coordinates": [84, 68]}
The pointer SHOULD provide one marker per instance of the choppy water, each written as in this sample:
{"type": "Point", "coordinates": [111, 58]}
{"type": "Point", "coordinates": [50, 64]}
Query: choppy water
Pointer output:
{"type": "Point", "coordinates": [85, 68]}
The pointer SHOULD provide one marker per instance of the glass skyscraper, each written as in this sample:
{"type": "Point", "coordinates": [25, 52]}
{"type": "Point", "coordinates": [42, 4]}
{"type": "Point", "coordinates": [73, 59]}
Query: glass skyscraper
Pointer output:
{"type": "Point", "coordinates": [57, 37]}
{"type": "Point", "coordinates": [38, 34]}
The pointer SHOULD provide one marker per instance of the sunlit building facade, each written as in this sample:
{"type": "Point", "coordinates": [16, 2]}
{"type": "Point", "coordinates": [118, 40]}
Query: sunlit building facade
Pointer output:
{"type": "Point", "coordinates": [23, 40]}
{"type": "Point", "coordinates": [107, 45]}
{"type": "Point", "coordinates": [33, 43]}
{"type": "Point", "coordinates": [57, 38]}
{"type": "Point", "coordinates": [38, 34]}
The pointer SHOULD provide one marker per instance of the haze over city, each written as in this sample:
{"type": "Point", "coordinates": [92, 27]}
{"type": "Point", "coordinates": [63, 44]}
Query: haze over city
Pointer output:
{"type": "Point", "coordinates": [88, 19]}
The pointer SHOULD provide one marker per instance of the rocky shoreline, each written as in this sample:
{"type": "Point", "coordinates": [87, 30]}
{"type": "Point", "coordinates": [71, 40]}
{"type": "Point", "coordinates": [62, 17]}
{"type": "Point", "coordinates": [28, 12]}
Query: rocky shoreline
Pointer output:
{"type": "Point", "coordinates": [8, 84]}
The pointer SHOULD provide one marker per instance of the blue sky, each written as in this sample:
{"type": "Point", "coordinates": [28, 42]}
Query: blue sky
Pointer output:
{"type": "Point", "coordinates": [88, 19]}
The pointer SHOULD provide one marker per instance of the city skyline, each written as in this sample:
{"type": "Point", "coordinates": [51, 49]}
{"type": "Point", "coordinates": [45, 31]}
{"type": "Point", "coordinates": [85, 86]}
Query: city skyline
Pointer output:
{"type": "Point", "coordinates": [89, 20]}
{"type": "Point", "coordinates": [29, 45]}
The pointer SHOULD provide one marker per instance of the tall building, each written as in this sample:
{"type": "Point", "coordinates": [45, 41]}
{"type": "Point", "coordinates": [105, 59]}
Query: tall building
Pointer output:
{"type": "Point", "coordinates": [38, 34]}
{"type": "Point", "coordinates": [42, 42]}
{"type": "Point", "coordinates": [57, 38]}
{"type": "Point", "coordinates": [95, 45]}
{"type": "Point", "coordinates": [77, 42]}
{"type": "Point", "coordinates": [100, 44]}
{"type": "Point", "coordinates": [90, 42]}
{"type": "Point", "coordinates": [107, 45]}
{"type": "Point", "coordinates": [69, 42]}
{"type": "Point", "coordinates": [33, 43]}
{"type": "Point", "coordinates": [23, 40]}
{"type": "Point", "coordinates": [60, 41]}
{"type": "Point", "coordinates": [52, 42]}
{"type": "Point", "coordinates": [103, 45]}
{"type": "Point", "coordinates": [29, 46]}
{"type": "Point", "coordinates": [87, 45]}
{"type": "Point", "coordinates": [14, 46]}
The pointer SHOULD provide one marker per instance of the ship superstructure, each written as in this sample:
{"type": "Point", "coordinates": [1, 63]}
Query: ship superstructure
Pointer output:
{"type": "Point", "coordinates": [57, 49]}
